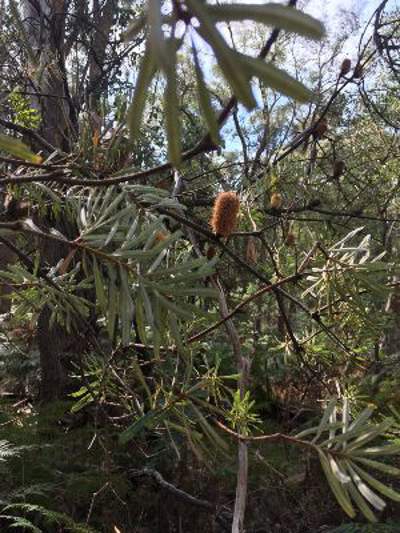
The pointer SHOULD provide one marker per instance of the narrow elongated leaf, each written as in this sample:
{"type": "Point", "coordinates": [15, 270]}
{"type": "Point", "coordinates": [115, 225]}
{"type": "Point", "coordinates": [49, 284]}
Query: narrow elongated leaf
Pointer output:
{"type": "Point", "coordinates": [99, 286]}
{"type": "Point", "coordinates": [337, 488]}
{"type": "Point", "coordinates": [18, 149]}
{"type": "Point", "coordinates": [274, 77]}
{"type": "Point", "coordinates": [287, 18]}
{"type": "Point", "coordinates": [140, 376]}
{"type": "Point", "coordinates": [337, 471]}
{"type": "Point", "coordinates": [368, 494]}
{"type": "Point", "coordinates": [140, 318]}
{"type": "Point", "coordinates": [136, 109]}
{"type": "Point", "coordinates": [225, 57]}
{"type": "Point", "coordinates": [157, 328]}
{"type": "Point", "coordinates": [146, 304]}
{"type": "Point", "coordinates": [383, 489]}
{"type": "Point", "coordinates": [362, 417]}
{"type": "Point", "coordinates": [370, 435]}
{"type": "Point", "coordinates": [175, 333]}
{"type": "Point", "coordinates": [361, 503]}
{"type": "Point", "coordinates": [204, 292]}
{"type": "Point", "coordinates": [325, 418]}
{"type": "Point", "coordinates": [171, 109]}
{"type": "Point", "coordinates": [156, 34]}
{"type": "Point", "coordinates": [205, 101]}
{"type": "Point", "coordinates": [210, 431]}
{"type": "Point", "coordinates": [126, 308]}
{"type": "Point", "coordinates": [145, 422]}
{"type": "Point", "coordinates": [113, 297]}
{"type": "Point", "coordinates": [179, 311]}
{"type": "Point", "coordinates": [112, 232]}
{"type": "Point", "coordinates": [382, 467]}
{"type": "Point", "coordinates": [388, 449]}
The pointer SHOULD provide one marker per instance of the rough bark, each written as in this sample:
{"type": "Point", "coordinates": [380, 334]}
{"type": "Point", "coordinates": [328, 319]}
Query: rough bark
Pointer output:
{"type": "Point", "coordinates": [45, 27]}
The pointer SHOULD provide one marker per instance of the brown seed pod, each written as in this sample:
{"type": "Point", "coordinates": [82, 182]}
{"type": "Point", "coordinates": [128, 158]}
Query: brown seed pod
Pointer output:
{"type": "Point", "coordinates": [276, 200]}
{"type": "Point", "coordinates": [338, 168]}
{"type": "Point", "coordinates": [211, 251]}
{"type": "Point", "coordinates": [345, 67]}
{"type": "Point", "coordinates": [160, 236]}
{"type": "Point", "coordinates": [225, 213]}
{"type": "Point", "coordinates": [290, 239]}
{"type": "Point", "coordinates": [320, 128]}
{"type": "Point", "coordinates": [251, 250]}
{"type": "Point", "coordinates": [358, 71]}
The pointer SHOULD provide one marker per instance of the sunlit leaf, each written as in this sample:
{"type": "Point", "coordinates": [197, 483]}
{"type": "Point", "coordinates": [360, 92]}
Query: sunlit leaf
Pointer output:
{"type": "Point", "coordinates": [276, 15]}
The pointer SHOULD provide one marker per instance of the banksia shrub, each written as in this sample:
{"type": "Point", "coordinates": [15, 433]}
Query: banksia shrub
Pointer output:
{"type": "Point", "coordinates": [276, 200]}
{"type": "Point", "coordinates": [345, 67]}
{"type": "Point", "coordinates": [224, 215]}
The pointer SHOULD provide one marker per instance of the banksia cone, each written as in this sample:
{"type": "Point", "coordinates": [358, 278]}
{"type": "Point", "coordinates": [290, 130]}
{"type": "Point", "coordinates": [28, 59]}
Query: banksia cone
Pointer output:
{"type": "Point", "coordinates": [338, 168]}
{"type": "Point", "coordinates": [320, 128]}
{"type": "Point", "coordinates": [225, 212]}
{"type": "Point", "coordinates": [251, 251]}
{"type": "Point", "coordinates": [290, 239]}
{"type": "Point", "coordinates": [358, 71]}
{"type": "Point", "coordinates": [276, 200]}
{"type": "Point", "coordinates": [211, 251]}
{"type": "Point", "coordinates": [159, 237]}
{"type": "Point", "coordinates": [345, 67]}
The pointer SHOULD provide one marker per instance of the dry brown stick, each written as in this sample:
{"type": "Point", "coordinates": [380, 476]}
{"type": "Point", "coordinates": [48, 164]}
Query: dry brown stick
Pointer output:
{"type": "Point", "coordinates": [182, 495]}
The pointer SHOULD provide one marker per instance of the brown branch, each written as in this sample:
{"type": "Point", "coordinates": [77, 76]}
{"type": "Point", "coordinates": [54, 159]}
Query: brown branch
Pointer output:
{"type": "Point", "coordinates": [246, 301]}
{"type": "Point", "coordinates": [179, 493]}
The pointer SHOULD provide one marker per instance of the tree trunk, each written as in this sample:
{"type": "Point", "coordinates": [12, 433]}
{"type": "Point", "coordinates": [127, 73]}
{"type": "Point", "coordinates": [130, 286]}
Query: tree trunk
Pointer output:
{"type": "Point", "coordinates": [45, 26]}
